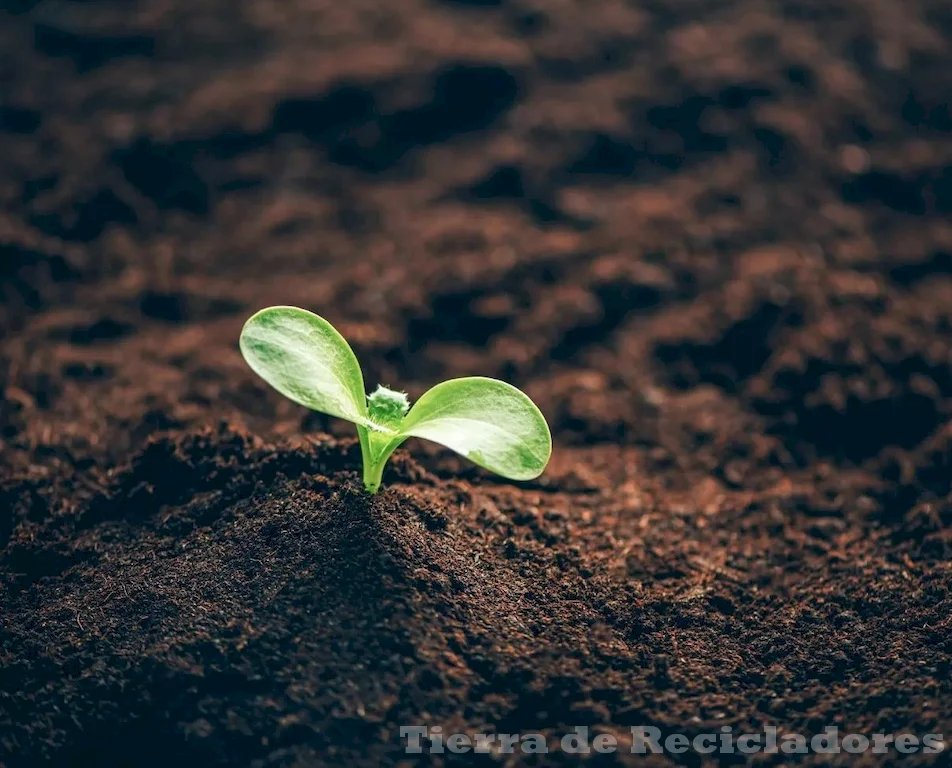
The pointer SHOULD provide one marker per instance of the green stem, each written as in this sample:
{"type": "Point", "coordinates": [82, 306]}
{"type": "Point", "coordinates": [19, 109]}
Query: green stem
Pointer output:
{"type": "Point", "coordinates": [373, 474]}
{"type": "Point", "coordinates": [375, 451]}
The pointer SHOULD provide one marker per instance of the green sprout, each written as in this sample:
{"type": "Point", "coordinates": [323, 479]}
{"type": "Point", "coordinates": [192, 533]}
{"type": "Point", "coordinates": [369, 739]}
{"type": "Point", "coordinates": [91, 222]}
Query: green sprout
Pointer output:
{"type": "Point", "coordinates": [488, 421]}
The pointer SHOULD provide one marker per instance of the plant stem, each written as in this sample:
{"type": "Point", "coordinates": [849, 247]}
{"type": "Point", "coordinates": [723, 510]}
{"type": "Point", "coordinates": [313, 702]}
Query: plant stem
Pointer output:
{"type": "Point", "coordinates": [373, 474]}
{"type": "Point", "coordinates": [375, 451]}
{"type": "Point", "coordinates": [372, 471]}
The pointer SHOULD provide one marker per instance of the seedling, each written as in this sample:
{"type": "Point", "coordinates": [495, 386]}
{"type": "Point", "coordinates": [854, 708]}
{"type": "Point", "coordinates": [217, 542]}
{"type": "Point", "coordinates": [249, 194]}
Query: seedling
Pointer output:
{"type": "Point", "coordinates": [488, 421]}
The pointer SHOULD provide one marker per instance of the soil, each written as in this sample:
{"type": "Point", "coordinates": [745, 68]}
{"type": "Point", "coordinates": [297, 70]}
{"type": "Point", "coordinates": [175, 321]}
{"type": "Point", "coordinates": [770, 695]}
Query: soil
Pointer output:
{"type": "Point", "coordinates": [710, 238]}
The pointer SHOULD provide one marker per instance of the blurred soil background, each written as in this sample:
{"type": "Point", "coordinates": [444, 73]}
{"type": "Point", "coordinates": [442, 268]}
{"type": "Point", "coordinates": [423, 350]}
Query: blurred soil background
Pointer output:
{"type": "Point", "coordinates": [710, 238]}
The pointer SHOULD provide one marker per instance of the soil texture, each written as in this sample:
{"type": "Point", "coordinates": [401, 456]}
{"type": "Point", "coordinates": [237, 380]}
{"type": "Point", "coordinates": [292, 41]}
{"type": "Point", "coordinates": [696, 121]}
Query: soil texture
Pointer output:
{"type": "Point", "coordinates": [712, 239]}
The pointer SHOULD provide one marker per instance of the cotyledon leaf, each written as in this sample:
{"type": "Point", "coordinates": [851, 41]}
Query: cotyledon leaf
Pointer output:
{"type": "Point", "coordinates": [303, 356]}
{"type": "Point", "coordinates": [488, 421]}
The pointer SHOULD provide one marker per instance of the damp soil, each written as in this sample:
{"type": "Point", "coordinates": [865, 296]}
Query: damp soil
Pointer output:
{"type": "Point", "coordinates": [711, 239]}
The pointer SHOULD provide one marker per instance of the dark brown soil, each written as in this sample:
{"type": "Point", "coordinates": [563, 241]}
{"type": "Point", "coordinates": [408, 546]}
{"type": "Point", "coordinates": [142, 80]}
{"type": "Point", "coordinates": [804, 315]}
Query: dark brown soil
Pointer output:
{"type": "Point", "coordinates": [711, 238]}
